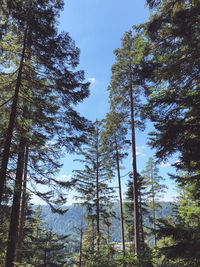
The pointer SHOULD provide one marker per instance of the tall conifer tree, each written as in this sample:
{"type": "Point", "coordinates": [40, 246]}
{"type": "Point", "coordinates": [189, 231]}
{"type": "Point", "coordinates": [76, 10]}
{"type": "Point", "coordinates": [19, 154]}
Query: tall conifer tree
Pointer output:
{"type": "Point", "coordinates": [46, 82]}
{"type": "Point", "coordinates": [114, 144]}
{"type": "Point", "coordinates": [154, 187]}
{"type": "Point", "coordinates": [92, 182]}
{"type": "Point", "coordinates": [170, 70]}
{"type": "Point", "coordinates": [125, 95]}
{"type": "Point", "coordinates": [42, 75]}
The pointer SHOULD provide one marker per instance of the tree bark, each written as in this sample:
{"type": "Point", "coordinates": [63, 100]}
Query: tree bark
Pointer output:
{"type": "Point", "coordinates": [23, 207]}
{"type": "Point", "coordinates": [45, 257]}
{"type": "Point", "coordinates": [81, 244]}
{"type": "Point", "coordinates": [154, 214]}
{"type": "Point", "coordinates": [97, 190]}
{"type": "Point", "coordinates": [141, 224]}
{"type": "Point", "coordinates": [120, 199]}
{"type": "Point", "coordinates": [135, 186]}
{"type": "Point", "coordinates": [12, 239]}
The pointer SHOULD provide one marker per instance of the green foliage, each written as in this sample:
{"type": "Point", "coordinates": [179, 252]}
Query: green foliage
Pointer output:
{"type": "Point", "coordinates": [41, 245]}
{"type": "Point", "coordinates": [170, 70]}
{"type": "Point", "coordinates": [70, 221]}
{"type": "Point", "coordinates": [125, 96]}
{"type": "Point", "coordinates": [95, 252]}
{"type": "Point", "coordinates": [40, 88]}
{"type": "Point", "coordinates": [180, 243]}
{"type": "Point", "coordinates": [153, 188]}
{"type": "Point", "coordinates": [4, 226]}
{"type": "Point", "coordinates": [152, 180]}
{"type": "Point", "coordinates": [183, 234]}
{"type": "Point", "coordinates": [130, 261]}
{"type": "Point", "coordinates": [48, 84]}
{"type": "Point", "coordinates": [143, 212]}
{"type": "Point", "coordinates": [114, 141]}
{"type": "Point", "coordinates": [92, 182]}
{"type": "Point", "coordinates": [124, 78]}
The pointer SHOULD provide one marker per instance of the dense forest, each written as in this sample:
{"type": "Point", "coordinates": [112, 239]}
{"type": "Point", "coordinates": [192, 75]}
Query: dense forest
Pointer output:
{"type": "Point", "coordinates": [154, 78]}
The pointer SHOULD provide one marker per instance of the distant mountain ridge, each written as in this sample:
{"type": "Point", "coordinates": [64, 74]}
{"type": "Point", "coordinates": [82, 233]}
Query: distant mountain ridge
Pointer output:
{"type": "Point", "coordinates": [69, 223]}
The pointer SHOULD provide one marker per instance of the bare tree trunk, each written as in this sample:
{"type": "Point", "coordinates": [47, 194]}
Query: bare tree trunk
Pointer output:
{"type": "Point", "coordinates": [81, 244]}
{"type": "Point", "coordinates": [97, 190]}
{"type": "Point", "coordinates": [154, 215]}
{"type": "Point", "coordinates": [135, 186]}
{"type": "Point", "coordinates": [141, 224]}
{"type": "Point", "coordinates": [23, 207]}
{"type": "Point", "coordinates": [120, 199]}
{"type": "Point", "coordinates": [12, 239]}
{"type": "Point", "coordinates": [45, 257]}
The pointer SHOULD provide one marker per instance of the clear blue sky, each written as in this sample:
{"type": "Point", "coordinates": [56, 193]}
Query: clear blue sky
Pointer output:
{"type": "Point", "coordinates": [96, 26]}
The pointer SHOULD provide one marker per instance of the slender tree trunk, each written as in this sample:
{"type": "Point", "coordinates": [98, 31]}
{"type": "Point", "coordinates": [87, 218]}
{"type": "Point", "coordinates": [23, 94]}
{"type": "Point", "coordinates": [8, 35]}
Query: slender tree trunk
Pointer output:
{"type": "Point", "coordinates": [154, 215]}
{"type": "Point", "coordinates": [23, 207]}
{"type": "Point", "coordinates": [120, 199]}
{"type": "Point", "coordinates": [141, 224]}
{"type": "Point", "coordinates": [135, 186]}
{"type": "Point", "coordinates": [93, 236]}
{"type": "Point", "coordinates": [7, 143]}
{"type": "Point", "coordinates": [108, 232]}
{"type": "Point", "coordinates": [81, 244]}
{"type": "Point", "coordinates": [45, 257]}
{"type": "Point", "coordinates": [97, 207]}
{"type": "Point", "coordinates": [97, 192]}
{"type": "Point", "coordinates": [12, 239]}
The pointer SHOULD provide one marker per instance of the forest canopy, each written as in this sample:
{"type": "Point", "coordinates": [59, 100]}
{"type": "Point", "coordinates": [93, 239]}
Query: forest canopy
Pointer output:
{"type": "Point", "coordinates": [154, 79]}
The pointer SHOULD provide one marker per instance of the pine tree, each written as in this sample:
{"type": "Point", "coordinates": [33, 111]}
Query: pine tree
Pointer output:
{"type": "Point", "coordinates": [22, 208]}
{"type": "Point", "coordinates": [92, 182]}
{"type": "Point", "coordinates": [170, 68]}
{"type": "Point", "coordinates": [154, 187]}
{"type": "Point", "coordinates": [114, 143]}
{"type": "Point", "coordinates": [16, 202]}
{"type": "Point", "coordinates": [4, 226]}
{"type": "Point", "coordinates": [182, 230]}
{"type": "Point", "coordinates": [81, 244]}
{"type": "Point", "coordinates": [41, 80]}
{"type": "Point", "coordinates": [41, 75]}
{"type": "Point", "coordinates": [125, 95]}
{"type": "Point", "coordinates": [170, 71]}
{"type": "Point", "coordinates": [41, 245]}
{"type": "Point", "coordinates": [90, 256]}
{"type": "Point", "coordinates": [129, 210]}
